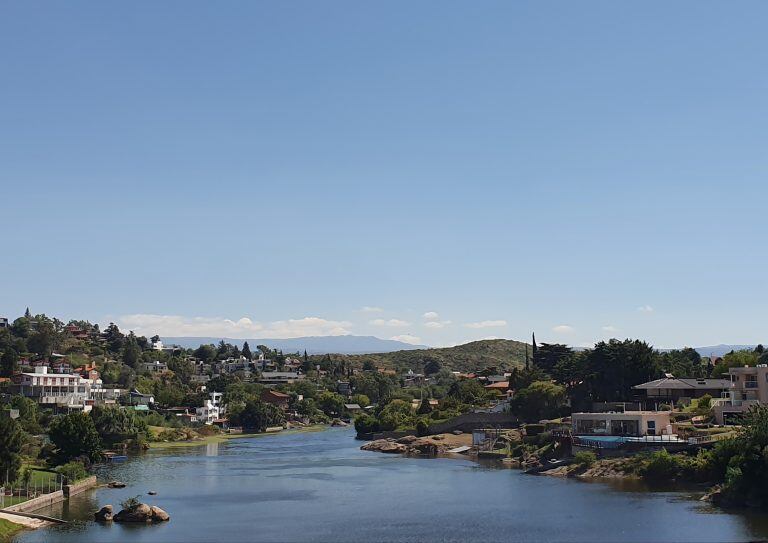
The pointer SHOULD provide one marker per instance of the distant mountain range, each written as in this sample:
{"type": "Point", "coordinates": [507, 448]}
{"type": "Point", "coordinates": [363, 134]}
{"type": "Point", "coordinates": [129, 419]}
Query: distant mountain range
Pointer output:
{"type": "Point", "coordinates": [720, 350]}
{"type": "Point", "coordinates": [313, 345]}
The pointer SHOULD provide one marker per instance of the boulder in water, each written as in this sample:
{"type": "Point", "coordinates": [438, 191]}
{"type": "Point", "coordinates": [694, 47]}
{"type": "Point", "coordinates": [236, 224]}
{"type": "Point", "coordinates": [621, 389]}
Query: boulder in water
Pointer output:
{"type": "Point", "coordinates": [158, 515]}
{"type": "Point", "coordinates": [104, 514]}
{"type": "Point", "coordinates": [140, 513]}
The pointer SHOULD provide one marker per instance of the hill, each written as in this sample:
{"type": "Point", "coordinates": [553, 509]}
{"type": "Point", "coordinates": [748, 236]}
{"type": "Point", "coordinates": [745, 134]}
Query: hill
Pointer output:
{"type": "Point", "coordinates": [474, 356]}
{"type": "Point", "coordinates": [313, 345]}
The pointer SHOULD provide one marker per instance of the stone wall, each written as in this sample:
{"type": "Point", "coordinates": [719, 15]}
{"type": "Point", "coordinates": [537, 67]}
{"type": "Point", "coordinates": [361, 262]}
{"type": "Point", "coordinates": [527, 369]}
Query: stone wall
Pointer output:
{"type": "Point", "coordinates": [38, 503]}
{"type": "Point", "coordinates": [79, 486]}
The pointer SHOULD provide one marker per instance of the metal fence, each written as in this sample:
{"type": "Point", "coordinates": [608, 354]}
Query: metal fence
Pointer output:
{"type": "Point", "coordinates": [30, 483]}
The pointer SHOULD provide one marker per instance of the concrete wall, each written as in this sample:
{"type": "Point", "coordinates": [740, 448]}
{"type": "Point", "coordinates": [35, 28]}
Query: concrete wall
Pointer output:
{"type": "Point", "coordinates": [80, 486]}
{"type": "Point", "coordinates": [38, 503]}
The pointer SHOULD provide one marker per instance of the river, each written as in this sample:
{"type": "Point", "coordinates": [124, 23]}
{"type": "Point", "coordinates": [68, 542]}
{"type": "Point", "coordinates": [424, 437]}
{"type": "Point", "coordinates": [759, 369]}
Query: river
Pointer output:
{"type": "Point", "coordinates": [318, 486]}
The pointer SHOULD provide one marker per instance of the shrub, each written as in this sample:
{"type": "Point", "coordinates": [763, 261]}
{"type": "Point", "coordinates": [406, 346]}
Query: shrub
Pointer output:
{"type": "Point", "coordinates": [73, 471]}
{"type": "Point", "coordinates": [422, 428]}
{"type": "Point", "coordinates": [705, 402]}
{"type": "Point", "coordinates": [131, 503]}
{"type": "Point", "coordinates": [660, 465]}
{"type": "Point", "coordinates": [366, 424]}
{"type": "Point", "coordinates": [584, 459]}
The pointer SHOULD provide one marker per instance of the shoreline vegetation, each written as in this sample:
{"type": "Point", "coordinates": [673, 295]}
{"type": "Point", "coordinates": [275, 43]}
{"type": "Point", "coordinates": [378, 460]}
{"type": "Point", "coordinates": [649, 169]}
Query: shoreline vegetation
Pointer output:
{"type": "Point", "coordinates": [196, 441]}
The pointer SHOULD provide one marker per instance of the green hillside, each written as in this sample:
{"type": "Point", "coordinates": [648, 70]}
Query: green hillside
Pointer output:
{"type": "Point", "coordinates": [473, 356]}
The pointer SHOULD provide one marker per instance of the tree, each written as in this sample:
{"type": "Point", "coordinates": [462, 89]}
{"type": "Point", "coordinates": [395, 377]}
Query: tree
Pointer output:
{"type": "Point", "coordinates": [330, 403]}
{"type": "Point", "coordinates": [682, 363]}
{"type": "Point", "coordinates": [424, 407]}
{"type": "Point", "coordinates": [258, 415]}
{"type": "Point", "coordinates": [431, 366]}
{"type": "Point", "coordinates": [368, 365]}
{"type": "Point", "coordinates": [75, 435]}
{"type": "Point", "coordinates": [114, 337]}
{"type": "Point", "coordinates": [115, 425]}
{"type": "Point", "coordinates": [11, 441]}
{"type": "Point", "coordinates": [540, 400]}
{"type": "Point", "coordinates": [549, 355]}
{"type": "Point", "coordinates": [131, 351]}
{"type": "Point", "coordinates": [396, 414]}
{"type": "Point", "coordinates": [247, 351]}
{"type": "Point", "coordinates": [360, 399]}
{"type": "Point", "coordinates": [206, 353]}
{"type": "Point", "coordinates": [29, 414]}
{"type": "Point", "coordinates": [9, 362]}
{"type": "Point", "coordinates": [614, 367]}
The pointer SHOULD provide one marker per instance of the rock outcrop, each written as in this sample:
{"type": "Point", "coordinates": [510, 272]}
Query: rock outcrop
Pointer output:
{"type": "Point", "coordinates": [142, 513]}
{"type": "Point", "coordinates": [104, 514]}
{"type": "Point", "coordinates": [410, 445]}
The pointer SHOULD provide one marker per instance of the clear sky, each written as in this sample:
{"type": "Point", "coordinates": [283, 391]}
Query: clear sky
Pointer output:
{"type": "Point", "coordinates": [432, 171]}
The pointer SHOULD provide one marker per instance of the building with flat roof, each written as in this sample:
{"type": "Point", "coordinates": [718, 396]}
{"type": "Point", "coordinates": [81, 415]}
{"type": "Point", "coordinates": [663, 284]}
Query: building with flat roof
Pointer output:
{"type": "Point", "coordinates": [627, 423]}
{"type": "Point", "coordinates": [749, 388]}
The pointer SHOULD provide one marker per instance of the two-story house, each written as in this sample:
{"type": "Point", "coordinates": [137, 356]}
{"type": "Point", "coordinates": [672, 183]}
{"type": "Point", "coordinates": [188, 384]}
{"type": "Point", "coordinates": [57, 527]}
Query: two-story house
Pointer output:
{"type": "Point", "coordinates": [61, 389]}
{"type": "Point", "coordinates": [749, 387]}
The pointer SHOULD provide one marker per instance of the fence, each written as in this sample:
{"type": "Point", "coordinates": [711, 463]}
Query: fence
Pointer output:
{"type": "Point", "coordinates": [31, 483]}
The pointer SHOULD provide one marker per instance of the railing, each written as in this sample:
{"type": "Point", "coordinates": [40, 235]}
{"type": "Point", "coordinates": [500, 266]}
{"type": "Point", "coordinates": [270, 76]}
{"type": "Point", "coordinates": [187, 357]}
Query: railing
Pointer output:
{"type": "Point", "coordinates": [30, 484]}
{"type": "Point", "coordinates": [712, 438]}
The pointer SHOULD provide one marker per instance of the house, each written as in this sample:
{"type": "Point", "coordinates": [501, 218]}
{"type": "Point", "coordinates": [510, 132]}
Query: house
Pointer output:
{"type": "Point", "coordinates": [749, 388]}
{"type": "Point", "coordinates": [276, 398]}
{"type": "Point", "coordinates": [670, 390]}
{"type": "Point", "coordinates": [271, 378]}
{"type": "Point", "coordinates": [210, 410]}
{"type": "Point", "coordinates": [61, 389]}
{"type": "Point", "coordinates": [343, 388]}
{"type": "Point", "coordinates": [136, 398]}
{"type": "Point", "coordinates": [157, 345]}
{"type": "Point", "coordinates": [4, 322]}
{"type": "Point", "coordinates": [352, 408]}
{"type": "Point", "coordinates": [153, 367]}
{"type": "Point", "coordinates": [627, 423]}
{"type": "Point", "coordinates": [416, 403]}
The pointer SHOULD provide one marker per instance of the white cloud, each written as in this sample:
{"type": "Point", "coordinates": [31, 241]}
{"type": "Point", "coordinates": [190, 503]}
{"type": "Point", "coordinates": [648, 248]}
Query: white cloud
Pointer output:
{"type": "Point", "coordinates": [431, 316]}
{"type": "Point", "coordinates": [437, 324]}
{"type": "Point", "coordinates": [176, 325]}
{"type": "Point", "coordinates": [645, 309]}
{"type": "Point", "coordinates": [370, 309]}
{"type": "Point", "coordinates": [407, 338]}
{"type": "Point", "coordinates": [392, 323]}
{"type": "Point", "coordinates": [562, 329]}
{"type": "Point", "coordinates": [610, 329]}
{"type": "Point", "coordinates": [486, 324]}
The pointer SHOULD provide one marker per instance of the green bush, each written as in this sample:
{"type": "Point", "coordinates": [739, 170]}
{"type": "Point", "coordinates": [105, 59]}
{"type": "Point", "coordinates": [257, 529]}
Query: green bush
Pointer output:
{"type": "Point", "coordinates": [422, 427]}
{"type": "Point", "coordinates": [660, 465]}
{"type": "Point", "coordinates": [73, 471]}
{"type": "Point", "coordinates": [584, 459]}
{"type": "Point", "coordinates": [366, 424]}
{"type": "Point", "coordinates": [705, 402]}
{"type": "Point", "coordinates": [131, 503]}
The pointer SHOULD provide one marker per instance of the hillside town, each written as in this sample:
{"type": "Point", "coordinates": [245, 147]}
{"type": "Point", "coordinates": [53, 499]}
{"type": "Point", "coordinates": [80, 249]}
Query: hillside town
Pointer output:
{"type": "Point", "coordinates": [74, 395]}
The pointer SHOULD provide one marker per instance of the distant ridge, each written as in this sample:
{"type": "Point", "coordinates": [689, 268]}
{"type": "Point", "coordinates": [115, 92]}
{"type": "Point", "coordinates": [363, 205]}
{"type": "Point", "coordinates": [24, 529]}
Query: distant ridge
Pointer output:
{"type": "Point", "coordinates": [313, 345]}
{"type": "Point", "coordinates": [722, 349]}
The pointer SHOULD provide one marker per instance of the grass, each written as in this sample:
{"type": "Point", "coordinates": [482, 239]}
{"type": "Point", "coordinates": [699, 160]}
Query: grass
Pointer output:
{"type": "Point", "coordinates": [8, 529]}
{"type": "Point", "coordinates": [221, 438]}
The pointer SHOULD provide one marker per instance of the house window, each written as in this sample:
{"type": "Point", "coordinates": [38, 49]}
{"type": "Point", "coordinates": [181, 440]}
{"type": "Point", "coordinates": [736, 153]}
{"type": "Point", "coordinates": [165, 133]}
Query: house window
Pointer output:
{"type": "Point", "coordinates": [651, 427]}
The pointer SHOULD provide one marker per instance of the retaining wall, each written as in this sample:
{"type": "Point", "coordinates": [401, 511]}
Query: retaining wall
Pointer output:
{"type": "Point", "coordinates": [38, 503]}
{"type": "Point", "coordinates": [79, 486]}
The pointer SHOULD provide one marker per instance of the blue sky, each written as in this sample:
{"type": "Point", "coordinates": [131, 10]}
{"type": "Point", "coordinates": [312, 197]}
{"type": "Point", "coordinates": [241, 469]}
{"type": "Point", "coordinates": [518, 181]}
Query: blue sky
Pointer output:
{"type": "Point", "coordinates": [463, 170]}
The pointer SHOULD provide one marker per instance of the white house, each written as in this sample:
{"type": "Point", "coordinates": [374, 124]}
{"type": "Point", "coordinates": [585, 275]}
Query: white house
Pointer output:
{"type": "Point", "coordinates": [63, 389]}
{"type": "Point", "coordinates": [211, 409]}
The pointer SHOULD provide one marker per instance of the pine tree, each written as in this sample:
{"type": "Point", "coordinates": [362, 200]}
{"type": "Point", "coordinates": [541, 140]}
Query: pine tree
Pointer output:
{"type": "Point", "coordinates": [247, 351]}
{"type": "Point", "coordinates": [27, 314]}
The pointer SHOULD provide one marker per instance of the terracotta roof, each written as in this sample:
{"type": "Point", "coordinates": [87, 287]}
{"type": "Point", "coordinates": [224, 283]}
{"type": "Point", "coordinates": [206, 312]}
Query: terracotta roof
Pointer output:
{"type": "Point", "coordinates": [275, 393]}
{"type": "Point", "coordinates": [501, 384]}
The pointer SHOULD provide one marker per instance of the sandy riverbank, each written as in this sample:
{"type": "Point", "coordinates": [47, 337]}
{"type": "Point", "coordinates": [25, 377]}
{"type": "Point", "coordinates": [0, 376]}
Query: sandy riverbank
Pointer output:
{"type": "Point", "coordinates": [13, 524]}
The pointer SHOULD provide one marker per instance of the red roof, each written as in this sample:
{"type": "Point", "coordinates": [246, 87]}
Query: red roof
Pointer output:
{"type": "Point", "coordinates": [501, 384]}
{"type": "Point", "coordinates": [275, 394]}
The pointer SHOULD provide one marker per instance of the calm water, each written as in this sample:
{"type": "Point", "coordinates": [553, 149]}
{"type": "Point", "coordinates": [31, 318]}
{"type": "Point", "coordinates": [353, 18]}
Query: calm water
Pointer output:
{"type": "Point", "coordinates": [320, 487]}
